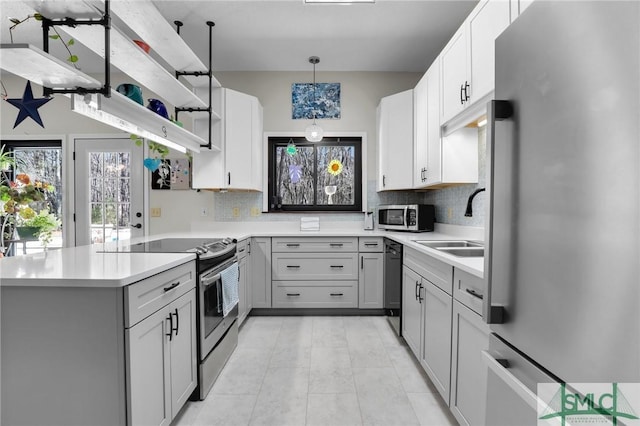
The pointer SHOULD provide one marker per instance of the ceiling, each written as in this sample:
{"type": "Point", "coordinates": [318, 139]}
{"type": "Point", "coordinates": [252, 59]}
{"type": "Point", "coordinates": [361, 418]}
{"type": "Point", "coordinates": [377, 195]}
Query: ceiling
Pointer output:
{"type": "Point", "coordinates": [280, 35]}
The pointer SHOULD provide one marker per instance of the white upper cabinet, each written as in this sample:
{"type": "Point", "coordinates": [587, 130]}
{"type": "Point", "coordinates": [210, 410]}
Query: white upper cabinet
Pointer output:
{"type": "Point", "coordinates": [427, 169]}
{"type": "Point", "coordinates": [395, 141]}
{"type": "Point", "coordinates": [454, 74]}
{"type": "Point", "coordinates": [467, 63]}
{"type": "Point", "coordinates": [238, 134]}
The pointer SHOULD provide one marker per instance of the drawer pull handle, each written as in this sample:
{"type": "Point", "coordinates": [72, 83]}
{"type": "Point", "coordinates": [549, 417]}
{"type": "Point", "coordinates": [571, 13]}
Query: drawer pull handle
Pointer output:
{"type": "Point", "coordinates": [371, 244]}
{"type": "Point", "coordinates": [172, 286]}
{"type": "Point", "coordinates": [293, 245]}
{"type": "Point", "coordinates": [337, 294]}
{"type": "Point", "coordinates": [335, 244]}
{"type": "Point", "coordinates": [293, 294]}
{"type": "Point", "coordinates": [293, 266]}
{"type": "Point", "coordinates": [337, 266]}
{"type": "Point", "coordinates": [473, 293]}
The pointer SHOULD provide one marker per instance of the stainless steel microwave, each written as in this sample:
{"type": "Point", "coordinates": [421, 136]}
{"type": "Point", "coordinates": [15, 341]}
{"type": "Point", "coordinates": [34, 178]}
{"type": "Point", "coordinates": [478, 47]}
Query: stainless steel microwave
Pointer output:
{"type": "Point", "coordinates": [408, 217]}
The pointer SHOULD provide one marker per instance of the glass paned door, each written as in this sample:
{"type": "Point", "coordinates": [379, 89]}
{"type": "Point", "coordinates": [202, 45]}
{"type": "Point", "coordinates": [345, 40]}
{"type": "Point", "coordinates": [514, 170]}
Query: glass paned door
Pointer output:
{"type": "Point", "coordinates": [109, 190]}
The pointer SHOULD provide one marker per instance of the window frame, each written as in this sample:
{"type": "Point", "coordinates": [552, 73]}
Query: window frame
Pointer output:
{"type": "Point", "coordinates": [358, 142]}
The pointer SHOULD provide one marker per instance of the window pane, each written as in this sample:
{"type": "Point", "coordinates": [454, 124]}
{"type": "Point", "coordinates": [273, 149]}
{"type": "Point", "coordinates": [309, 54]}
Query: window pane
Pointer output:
{"type": "Point", "coordinates": [96, 190]}
{"type": "Point", "coordinates": [336, 171]}
{"type": "Point", "coordinates": [294, 175]}
{"type": "Point", "coordinates": [111, 164]}
{"type": "Point", "coordinates": [95, 159]}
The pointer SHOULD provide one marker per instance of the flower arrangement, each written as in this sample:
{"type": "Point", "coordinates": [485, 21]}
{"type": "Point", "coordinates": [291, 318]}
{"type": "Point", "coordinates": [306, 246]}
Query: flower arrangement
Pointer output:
{"type": "Point", "coordinates": [17, 194]}
{"type": "Point", "coordinates": [16, 200]}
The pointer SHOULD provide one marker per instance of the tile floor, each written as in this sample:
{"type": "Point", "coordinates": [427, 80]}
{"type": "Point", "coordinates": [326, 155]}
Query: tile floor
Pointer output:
{"type": "Point", "coordinates": [319, 371]}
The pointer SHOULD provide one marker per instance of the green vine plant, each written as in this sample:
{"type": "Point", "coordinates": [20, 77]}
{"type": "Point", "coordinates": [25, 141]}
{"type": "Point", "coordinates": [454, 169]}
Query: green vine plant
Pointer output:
{"type": "Point", "coordinates": [38, 17]}
{"type": "Point", "coordinates": [154, 147]}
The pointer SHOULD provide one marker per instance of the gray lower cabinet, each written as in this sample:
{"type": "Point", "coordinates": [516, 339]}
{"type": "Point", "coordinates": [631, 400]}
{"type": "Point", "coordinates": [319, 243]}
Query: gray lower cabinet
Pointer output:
{"type": "Point", "coordinates": [245, 297]}
{"type": "Point", "coordinates": [371, 277]}
{"type": "Point", "coordinates": [99, 356]}
{"type": "Point", "coordinates": [261, 272]}
{"type": "Point", "coordinates": [426, 315]}
{"type": "Point", "coordinates": [468, 372]}
{"type": "Point", "coordinates": [412, 310]}
{"type": "Point", "coordinates": [318, 272]}
{"type": "Point", "coordinates": [161, 351]}
{"type": "Point", "coordinates": [436, 337]}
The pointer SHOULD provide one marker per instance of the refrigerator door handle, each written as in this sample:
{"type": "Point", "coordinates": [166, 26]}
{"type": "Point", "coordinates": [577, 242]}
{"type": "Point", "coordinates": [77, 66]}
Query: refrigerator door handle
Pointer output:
{"type": "Point", "coordinates": [498, 367]}
{"type": "Point", "coordinates": [496, 111]}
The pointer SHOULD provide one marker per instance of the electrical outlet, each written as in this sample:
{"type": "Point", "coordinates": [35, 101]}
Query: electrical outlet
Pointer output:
{"type": "Point", "coordinates": [235, 212]}
{"type": "Point", "coordinates": [203, 211]}
{"type": "Point", "coordinates": [156, 212]}
{"type": "Point", "coordinates": [450, 213]}
{"type": "Point", "coordinates": [255, 211]}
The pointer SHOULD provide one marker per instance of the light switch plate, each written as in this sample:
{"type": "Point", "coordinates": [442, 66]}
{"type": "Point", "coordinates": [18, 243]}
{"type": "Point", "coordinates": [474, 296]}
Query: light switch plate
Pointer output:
{"type": "Point", "coordinates": [156, 212]}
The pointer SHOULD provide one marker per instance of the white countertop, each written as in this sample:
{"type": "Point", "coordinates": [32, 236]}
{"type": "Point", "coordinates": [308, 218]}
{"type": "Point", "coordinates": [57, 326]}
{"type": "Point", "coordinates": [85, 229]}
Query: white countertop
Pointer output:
{"type": "Point", "coordinates": [86, 266]}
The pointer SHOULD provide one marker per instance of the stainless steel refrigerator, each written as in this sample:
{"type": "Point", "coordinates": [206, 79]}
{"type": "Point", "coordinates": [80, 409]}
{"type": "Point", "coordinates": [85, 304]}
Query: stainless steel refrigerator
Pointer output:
{"type": "Point", "coordinates": [563, 243]}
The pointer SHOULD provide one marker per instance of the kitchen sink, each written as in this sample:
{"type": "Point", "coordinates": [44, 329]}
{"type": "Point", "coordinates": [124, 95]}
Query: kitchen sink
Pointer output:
{"type": "Point", "coordinates": [463, 251]}
{"type": "Point", "coordinates": [444, 244]}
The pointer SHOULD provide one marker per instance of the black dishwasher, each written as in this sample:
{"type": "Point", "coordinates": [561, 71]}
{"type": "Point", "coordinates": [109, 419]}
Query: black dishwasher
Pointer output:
{"type": "Point", "coordinates": [393, 283]}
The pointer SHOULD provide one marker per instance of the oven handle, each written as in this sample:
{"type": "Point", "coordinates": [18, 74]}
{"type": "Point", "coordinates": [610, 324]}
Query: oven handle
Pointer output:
{"type": "Point", "coordinates": [208, 278]}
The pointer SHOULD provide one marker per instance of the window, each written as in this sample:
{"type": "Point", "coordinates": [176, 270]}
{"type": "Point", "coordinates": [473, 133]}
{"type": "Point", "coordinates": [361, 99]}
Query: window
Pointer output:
{"type": "Point", "coordinates": [321, 176]}
{"type": "Point", "coordinates": [41, 160]}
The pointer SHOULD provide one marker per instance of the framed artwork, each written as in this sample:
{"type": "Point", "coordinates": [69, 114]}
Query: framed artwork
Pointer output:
{"type": "Point", "coordinates": [172, 173]}
{"type": "Point", "coordinates": [325, 106]}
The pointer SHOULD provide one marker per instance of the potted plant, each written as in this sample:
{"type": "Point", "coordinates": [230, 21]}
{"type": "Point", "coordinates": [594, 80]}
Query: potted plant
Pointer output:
{"type": "Point", "coordinates": [37, 225]}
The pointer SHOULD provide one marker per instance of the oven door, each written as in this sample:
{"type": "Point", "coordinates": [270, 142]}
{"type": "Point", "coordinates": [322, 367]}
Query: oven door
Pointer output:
{"type": "Point", "coordinates": [213, 323]}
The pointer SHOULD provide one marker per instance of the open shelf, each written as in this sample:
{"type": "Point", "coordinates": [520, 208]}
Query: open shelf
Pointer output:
{"type": "Point", "coordinates": [32, 63]}
{"type": "Point", "coordinates": [136, 63]}
{"type": "Point", "coordinates": [143, 17]}
{"type": "Point", "coordinates": [123, 113]}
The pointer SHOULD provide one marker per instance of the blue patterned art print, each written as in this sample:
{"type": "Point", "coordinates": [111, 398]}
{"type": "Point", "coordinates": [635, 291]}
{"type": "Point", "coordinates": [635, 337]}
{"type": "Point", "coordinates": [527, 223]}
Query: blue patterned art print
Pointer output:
{"type": "Point", "coordinates": [325, 106]}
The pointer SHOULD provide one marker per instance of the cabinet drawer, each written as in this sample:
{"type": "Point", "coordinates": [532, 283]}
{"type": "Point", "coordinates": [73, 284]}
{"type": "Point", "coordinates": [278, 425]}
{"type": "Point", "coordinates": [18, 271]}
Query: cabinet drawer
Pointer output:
{"type": "Point", "coordinates": [314, 244]}
{"type": "Point", "coordinates": [242, 248]}
{"type": "Point", "coordinates": [315, 294]}
{"type": "Point", "coordinates": [145, 297]}
{"type": "Point", "coordinates": [370, 244]}
{"type": "Point", "coordinates": [315, 266]}
{"type": "Point", "coordinates": [433, 270]}
{"type": "Point", "coordinates": [468, 289]}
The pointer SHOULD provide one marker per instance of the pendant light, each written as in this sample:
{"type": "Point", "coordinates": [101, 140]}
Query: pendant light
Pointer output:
{"type": "Point", "coordinates": [314, 133]}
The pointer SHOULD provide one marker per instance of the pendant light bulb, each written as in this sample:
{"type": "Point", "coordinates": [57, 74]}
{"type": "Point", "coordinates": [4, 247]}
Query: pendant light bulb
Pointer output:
{"type": "Point", "coordinates": [314, 133]}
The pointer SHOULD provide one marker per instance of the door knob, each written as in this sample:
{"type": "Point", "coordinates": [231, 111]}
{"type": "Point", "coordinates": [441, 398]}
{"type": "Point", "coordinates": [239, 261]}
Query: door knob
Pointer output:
{"type": "Point", "coordinates": [137, 225]}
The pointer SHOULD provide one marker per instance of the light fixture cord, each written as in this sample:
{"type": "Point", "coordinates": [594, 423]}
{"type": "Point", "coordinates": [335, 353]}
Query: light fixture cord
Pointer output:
{"type": "Point", "coordinates": [314, 93]}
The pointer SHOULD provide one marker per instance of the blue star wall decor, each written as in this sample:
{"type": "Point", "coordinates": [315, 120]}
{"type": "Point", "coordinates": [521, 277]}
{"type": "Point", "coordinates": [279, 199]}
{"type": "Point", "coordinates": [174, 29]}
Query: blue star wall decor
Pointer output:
{"type": "Point", "coordinates": [28, 106]}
